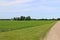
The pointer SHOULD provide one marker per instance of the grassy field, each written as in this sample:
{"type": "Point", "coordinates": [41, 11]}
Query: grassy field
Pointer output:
{"type": "Point", "coordinates": [24, 30]}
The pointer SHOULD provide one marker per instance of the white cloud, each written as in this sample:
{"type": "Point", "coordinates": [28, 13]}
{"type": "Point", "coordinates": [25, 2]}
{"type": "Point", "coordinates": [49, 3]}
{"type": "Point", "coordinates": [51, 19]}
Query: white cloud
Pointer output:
{"type": "Point", "coordinates": [41, 7]}
{"type": "Point", "coordinates": [4, 3]}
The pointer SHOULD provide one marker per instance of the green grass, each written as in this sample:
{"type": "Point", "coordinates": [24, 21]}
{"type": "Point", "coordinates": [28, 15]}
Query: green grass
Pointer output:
{"type": "Point", "coordinates": [24, 30]}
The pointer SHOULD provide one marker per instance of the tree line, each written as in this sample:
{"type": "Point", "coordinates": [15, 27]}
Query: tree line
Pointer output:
{"type": "Point", "coordinates": [29, 18]}
{"type": "Point", "coordinates": [22, 18]}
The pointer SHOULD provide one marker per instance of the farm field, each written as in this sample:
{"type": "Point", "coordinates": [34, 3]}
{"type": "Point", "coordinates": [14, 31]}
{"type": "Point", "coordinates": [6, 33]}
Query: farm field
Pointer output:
{"type": "Point", "coordinates": [24, 30]}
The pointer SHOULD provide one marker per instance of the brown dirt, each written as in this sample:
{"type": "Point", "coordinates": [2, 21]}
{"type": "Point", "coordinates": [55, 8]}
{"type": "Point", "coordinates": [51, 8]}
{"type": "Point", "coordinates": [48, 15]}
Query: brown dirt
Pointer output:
{"type": "Point", "coordinates": [54, 33]}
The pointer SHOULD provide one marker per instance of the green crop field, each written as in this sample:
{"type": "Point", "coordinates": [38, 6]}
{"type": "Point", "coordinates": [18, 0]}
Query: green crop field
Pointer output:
{"type": "Point", "coordinates": [24, 30]}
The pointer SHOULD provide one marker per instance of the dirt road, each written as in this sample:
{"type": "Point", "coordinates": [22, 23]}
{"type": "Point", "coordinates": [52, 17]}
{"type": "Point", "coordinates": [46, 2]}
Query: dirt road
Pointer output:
{"type": "Point", "coordinates": [54, 33]}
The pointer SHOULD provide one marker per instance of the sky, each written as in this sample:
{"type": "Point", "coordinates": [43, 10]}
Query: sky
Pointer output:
{"type": "Point", "coordinates": [33, 8]}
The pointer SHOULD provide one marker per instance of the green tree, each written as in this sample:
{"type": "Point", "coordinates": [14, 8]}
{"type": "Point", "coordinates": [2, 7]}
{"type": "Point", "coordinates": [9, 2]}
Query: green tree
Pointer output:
{"type": "Point", "coordinates": [28, 18]}
{"type": "Point", "coordinates": [16, 18]}
{"type": "Point", "coordinates": [22, 18]}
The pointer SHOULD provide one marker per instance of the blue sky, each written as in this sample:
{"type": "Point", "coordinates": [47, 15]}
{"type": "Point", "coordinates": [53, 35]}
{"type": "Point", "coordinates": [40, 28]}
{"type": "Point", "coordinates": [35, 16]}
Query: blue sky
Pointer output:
{"type": "Point", "coordinates": [33, 8]}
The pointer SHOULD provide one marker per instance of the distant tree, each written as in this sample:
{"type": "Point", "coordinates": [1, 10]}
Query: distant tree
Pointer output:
{"type": "Point", "coordinates": [53, 19]}
{"type": "Point", "coordinates": [22, 18]}
{"type": "Point", "coordinates": [58, 18]}
{"type": "Point", "coordinates": [16, 18]}
{"type": "Point", "coordinates": [28, 18]}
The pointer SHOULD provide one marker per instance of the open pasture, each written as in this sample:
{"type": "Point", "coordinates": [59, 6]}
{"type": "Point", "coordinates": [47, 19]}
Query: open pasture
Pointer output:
{"type": "Point", "coordinates": [24, 30]}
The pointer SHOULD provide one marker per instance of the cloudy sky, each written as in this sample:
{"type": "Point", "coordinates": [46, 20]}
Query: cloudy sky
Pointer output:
{"type": "Point", "coordinates": [33, 8]}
